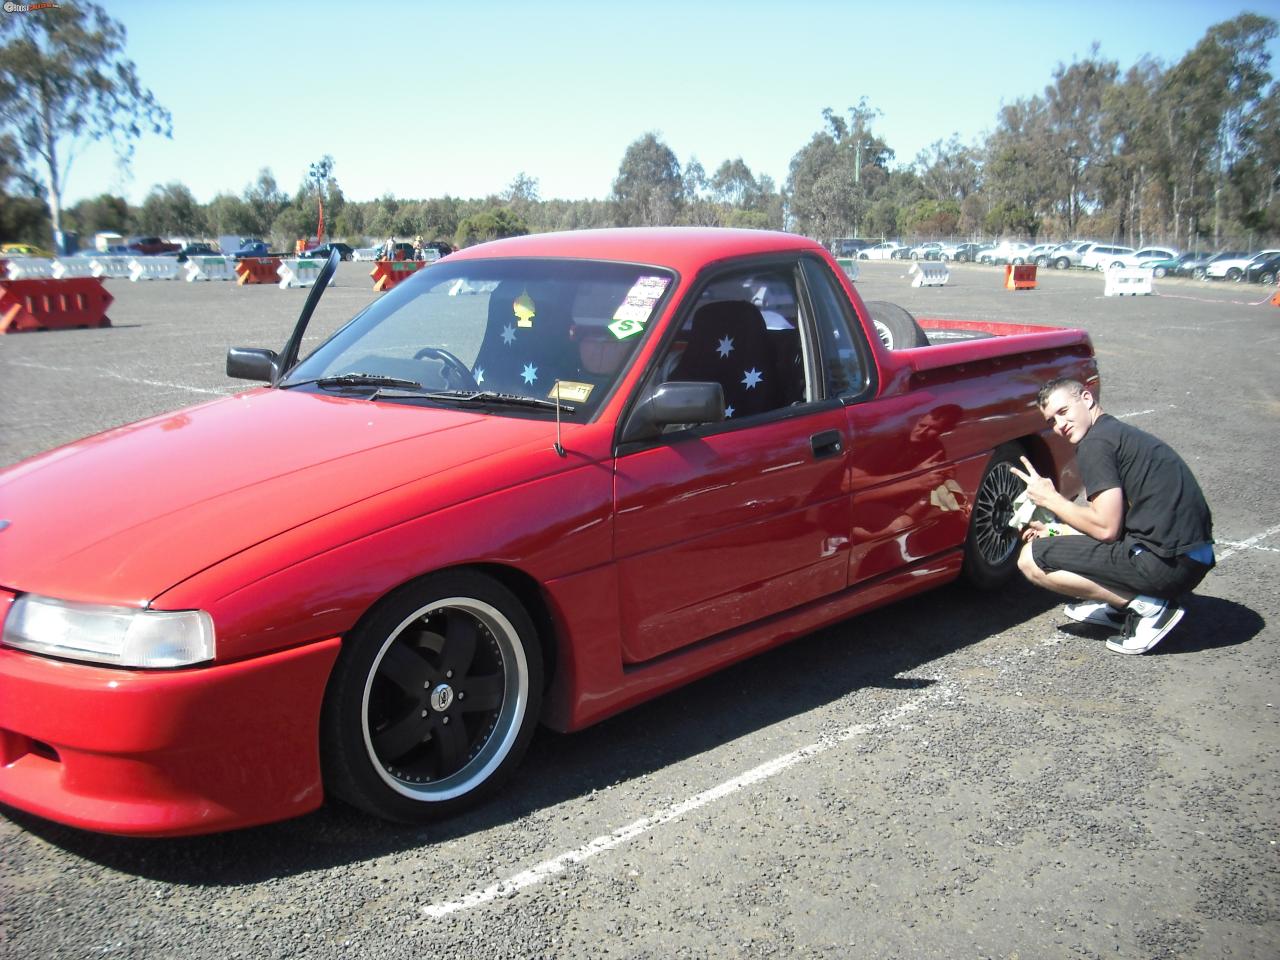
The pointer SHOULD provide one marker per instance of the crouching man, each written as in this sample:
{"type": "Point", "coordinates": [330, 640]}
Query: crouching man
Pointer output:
{"type": "Point", "coordinates": [1146, 531]}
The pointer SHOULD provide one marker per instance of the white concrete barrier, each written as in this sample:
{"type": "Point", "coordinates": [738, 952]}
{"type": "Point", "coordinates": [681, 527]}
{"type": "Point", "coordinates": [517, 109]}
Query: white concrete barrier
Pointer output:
{"type": "Point", "coordinates": [211, 268]}
{"type": "Point", "coordinates": [30, 268]}
{"type": "Point", "coordinates": [927, 273]}
{"type": "Point", "coordinates": [65, 267]}
{"type": "Point", "coordinates": [1127, 281]}
{"type": "Point", "coordinates": [299, 273]}
{"type": "Point", "coordinates": [110, 266]}
{"type": "Point", "coordinates": [154, 268]}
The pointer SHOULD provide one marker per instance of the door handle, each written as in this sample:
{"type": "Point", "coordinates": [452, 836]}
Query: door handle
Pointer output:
{"type": "Point", "coordinates": [828, 443]}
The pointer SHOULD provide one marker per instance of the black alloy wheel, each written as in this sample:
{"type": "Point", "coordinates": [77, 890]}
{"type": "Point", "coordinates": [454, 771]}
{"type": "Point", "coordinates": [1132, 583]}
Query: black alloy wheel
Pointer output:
{"type": "Point", "coordinates": [991, 548]}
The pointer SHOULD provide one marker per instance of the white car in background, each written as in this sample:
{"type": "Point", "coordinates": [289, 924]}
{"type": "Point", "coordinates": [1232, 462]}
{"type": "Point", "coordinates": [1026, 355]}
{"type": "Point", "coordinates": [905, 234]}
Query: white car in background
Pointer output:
{"type": "Point", "coordinates": [880, 251]}
{"type": "Point", "coordinates": [1039, 254]}
{"type": "Point", "coordinates": [1006, 251]}
{"type": "Point", "coordinates": [1233, 268]}
{"type": "Point", "coordinates": [1148, 255]}
{"type": "Point", "coordinates": [1103, 256]}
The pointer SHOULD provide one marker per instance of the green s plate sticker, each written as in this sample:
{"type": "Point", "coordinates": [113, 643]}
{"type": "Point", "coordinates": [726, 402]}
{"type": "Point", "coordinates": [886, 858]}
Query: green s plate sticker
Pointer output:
{"type": "Point", "coordinates": [626, 328]}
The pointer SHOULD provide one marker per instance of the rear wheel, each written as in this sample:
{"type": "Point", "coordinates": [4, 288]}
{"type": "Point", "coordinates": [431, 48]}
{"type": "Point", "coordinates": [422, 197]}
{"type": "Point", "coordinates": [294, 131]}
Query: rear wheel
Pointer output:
{"type": "Point", "coordinates": [1234, 273]}
{"type": "Point", "coordinates": [991, 548]}
{"type": "Point", "coordinates": [897, 328]}
{"type": "Point", "coordinates": [1199, 273]}
{"type": "Point", "coordinates": [1159, 272]}
{"type": "Point", "coordinates": [1268, 278]}
{"type": "Point", "coordinates": [1062, 263]}
{"type": "Point", "coordinates": [433, 699]}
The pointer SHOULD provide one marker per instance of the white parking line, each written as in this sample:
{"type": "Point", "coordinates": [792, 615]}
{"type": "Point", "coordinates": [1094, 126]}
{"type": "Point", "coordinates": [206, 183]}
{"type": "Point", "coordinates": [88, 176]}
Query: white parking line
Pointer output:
{"type": "Point", "coordinates": [592, 848]}
{"type": "Point", "coordinates": [549, 868]}
{"type": "Point", "coordinates": [121, 376]}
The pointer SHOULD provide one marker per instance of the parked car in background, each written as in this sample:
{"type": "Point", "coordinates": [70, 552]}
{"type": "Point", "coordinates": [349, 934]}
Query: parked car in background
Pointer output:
{"type": "Point", "coordinates": [1264, 271]}
{"type": "Point", "coordinates": [902, 253]}
{"type": "Point", "coordinates": [959, 252]}
{"type": "Point", "coordinates": [252, 248]}
{"type": "Point", "coordinates": [345, 250]}
{"type": "Point", "coordinates": [1146, 257]}
{"type": "Point", "coordinates": [1103, 256]}
{"type": "Point", "coordinates": [925, 251]}
{"type": "Point", "coordinates": [880, 251]}
{"type": "Point", "coordinates": [152, 246]}
{"type": "Point", "coordinates": [1069, 254]}
{"type": "Point", "coordinates": [1233, 267]}
{"type": "Point", "coordinates": [25, 250]}
{"type": "Point", "coordinates": [197, 250]}
{"type": "Point", "coordinates": [1006, 251]}
{"type": "Point", "coordinates": [1039, 254]}
{"type": "Point", "coordinates": [848, 246]}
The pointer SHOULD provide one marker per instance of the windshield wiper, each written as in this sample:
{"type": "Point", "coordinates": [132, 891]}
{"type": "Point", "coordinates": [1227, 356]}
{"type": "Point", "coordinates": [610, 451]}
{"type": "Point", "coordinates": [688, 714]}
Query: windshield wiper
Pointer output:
{"type": "Point", "coordinates": [358, 380]}
{"type": "Point", "coordinates": [493, 397]}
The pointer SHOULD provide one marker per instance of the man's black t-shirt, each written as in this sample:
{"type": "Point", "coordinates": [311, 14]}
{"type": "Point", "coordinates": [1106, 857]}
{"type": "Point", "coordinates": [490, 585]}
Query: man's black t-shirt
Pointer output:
{"type": "Point", "coordinates": [1164, 508]}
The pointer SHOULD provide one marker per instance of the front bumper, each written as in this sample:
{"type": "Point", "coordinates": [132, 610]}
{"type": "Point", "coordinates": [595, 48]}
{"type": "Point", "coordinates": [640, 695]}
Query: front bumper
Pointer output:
{"type": "Point", "coordinates": [163, 753]}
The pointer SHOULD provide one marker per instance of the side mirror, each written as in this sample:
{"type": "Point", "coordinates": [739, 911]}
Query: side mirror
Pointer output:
{"type": "Point", "coordinates": [252, 363]}
{"type": "Point", "coordinates": [677, 403]}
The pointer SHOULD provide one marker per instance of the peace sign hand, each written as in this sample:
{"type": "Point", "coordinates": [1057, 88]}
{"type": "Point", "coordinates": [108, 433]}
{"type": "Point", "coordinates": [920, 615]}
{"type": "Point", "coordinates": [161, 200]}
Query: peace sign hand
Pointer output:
{"type": "Point", "coordinates": [1040, 490]}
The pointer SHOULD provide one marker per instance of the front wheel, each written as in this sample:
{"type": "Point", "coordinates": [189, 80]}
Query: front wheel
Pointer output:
{"type": "Point", "coordinates": [433, 699]}
{"type": "Point", "coordinates": [1268, 279]}
{"type": "Point", "coordinates": [1062, 263]}
{"type": "Point", "coordinates": [991, 548]}
{"type": "Point", "coordinates": [1199, 273]}
{"type": "Point", "coordinates": [1234, 273]}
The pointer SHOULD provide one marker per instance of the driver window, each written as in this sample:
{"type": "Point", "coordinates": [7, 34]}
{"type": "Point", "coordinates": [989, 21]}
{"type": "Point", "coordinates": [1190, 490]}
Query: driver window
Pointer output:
{"type": "Point", "coordinates": [745, 335]}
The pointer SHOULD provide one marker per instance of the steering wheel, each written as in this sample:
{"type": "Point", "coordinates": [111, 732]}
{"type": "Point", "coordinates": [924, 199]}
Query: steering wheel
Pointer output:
{"type": "Point", "coordinates": [462, 377]}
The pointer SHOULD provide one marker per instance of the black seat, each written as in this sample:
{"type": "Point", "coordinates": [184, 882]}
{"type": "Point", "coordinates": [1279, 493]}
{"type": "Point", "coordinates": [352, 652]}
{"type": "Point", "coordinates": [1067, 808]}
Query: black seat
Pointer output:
{"type": "Point", "coordinates": [729, 344]}
{"type": "Point", "coordinates": [521, 358]}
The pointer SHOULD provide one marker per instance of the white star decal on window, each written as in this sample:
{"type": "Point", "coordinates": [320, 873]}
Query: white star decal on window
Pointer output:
{"type": "Point", "coordinates": [508, 334]}
{"type": "Point", "coordinates": [529, 373]}
{"type": "Point", "coordinates": [752, 377]}
{"type": "Point", "coordinates": [726, 347]}
{"type": "Point", "coordinates": [479, 375]}
{"type": "Point", "coordinates": [728, 413]}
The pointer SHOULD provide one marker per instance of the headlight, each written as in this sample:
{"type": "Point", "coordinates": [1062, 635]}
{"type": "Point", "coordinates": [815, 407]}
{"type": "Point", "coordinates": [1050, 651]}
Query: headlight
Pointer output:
{"type": "Point", "coordinates": [120, 636]}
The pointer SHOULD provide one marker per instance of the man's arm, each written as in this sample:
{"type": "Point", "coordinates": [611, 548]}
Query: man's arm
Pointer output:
{"type": "Point", "coordinates": [1101, 518]}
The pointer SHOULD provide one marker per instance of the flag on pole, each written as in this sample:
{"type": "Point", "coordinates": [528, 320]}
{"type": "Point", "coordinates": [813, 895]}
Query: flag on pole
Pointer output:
{"type": "Point", "coordinates": [320, 225]}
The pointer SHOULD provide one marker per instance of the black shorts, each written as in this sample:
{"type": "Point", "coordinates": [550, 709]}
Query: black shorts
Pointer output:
{"type": "Point", "coordinates": [1119, 566]}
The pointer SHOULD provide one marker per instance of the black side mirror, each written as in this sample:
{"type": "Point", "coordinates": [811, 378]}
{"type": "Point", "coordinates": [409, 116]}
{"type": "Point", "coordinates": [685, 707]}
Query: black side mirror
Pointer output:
{"type": "Point", "coordinates": [252, 363]}
{"type": "Point", "coordinates": [677, 403]}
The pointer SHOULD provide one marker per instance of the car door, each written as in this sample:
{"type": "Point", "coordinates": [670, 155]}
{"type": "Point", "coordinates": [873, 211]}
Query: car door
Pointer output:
{"type": "Point", "coordinates": [721, 525]}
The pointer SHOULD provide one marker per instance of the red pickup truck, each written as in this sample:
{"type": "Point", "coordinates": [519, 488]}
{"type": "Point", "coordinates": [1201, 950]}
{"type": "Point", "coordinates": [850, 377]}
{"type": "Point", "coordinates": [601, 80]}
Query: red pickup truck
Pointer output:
{"type": "Point", "coordinates": [543, 480]}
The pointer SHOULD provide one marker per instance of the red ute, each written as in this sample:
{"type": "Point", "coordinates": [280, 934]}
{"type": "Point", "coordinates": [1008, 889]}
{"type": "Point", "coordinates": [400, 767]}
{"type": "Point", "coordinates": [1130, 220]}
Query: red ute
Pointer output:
{"type": "Point", "coordinates": [541, 481]}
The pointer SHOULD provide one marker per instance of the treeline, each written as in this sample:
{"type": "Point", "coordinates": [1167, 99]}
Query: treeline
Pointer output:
{"type": "Point", "coordinates": [1187, 154]}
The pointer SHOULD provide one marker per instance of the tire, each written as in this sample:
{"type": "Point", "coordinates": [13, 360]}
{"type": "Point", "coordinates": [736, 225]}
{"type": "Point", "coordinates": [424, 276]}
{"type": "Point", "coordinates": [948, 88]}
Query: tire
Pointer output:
{"type": "Point", "coordinates": [863, 256]}
{"type": "Point", "coordinates": [991, 547]}
{"type": "Point", "coordinates": [1117, 265]}
{"type": "Point", "coordinates": [1268, 278]}
{"type": "Point", "coordinates": [398, 738]}
{"type": "Point", "coordinates": [962, 258]}
{"type": "Point", "coordinates": [1234, 273]}
{"type": "Point", "coordinates": [1017, 261]}
{"type": "Point", "coordinates": [915, 256]}
{"type": "Point", "coordinates": [1199, 273]}
{"type": "Point", "coordinates": [1042, 262]}
{"type": "Point", "coordinates": [1062, 263]}
{"type": "Point", "coordinates": [897, 328]}
{"type": "Point", "coordinates": [944, 257]}
{"type": "Point", "coordinates": [1159, 272]}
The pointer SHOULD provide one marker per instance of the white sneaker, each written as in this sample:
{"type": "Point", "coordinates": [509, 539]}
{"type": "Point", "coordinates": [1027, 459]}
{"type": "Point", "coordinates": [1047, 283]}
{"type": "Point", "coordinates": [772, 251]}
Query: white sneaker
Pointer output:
{"type": "Point", "coordinates": [1147, 620]}
{"type": "Point", "coordinates": [1095, 612]}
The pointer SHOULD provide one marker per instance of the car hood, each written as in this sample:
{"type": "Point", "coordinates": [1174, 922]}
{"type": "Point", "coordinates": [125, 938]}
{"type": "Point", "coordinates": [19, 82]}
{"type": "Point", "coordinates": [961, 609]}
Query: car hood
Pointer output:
{"type": "Point", "coordinates": [124, 515]}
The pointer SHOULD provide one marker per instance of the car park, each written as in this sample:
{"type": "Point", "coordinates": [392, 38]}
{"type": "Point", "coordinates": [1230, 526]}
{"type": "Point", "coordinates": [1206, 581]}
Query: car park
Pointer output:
{"type": "Point", "coordinates": [959, 252]}
{"type": "Point", "coordinates": [1039, 254]}
{"type": "Point", "coordinates": [1147, 257]}
{"type": "Point", "coordinates": [881, 251]}
{"type": "Point", "coordinates": [1006, 251]}
{"type": "Point", "coordinates": [1104, 256]}
{"type": "Point", "coordinates": [485, 502]}
{"type": "Point", "coordinates": [1232, 266]}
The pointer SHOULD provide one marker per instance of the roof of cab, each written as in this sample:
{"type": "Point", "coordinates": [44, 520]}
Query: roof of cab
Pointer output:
{"type": "Point", "coordinates": [682, 248]}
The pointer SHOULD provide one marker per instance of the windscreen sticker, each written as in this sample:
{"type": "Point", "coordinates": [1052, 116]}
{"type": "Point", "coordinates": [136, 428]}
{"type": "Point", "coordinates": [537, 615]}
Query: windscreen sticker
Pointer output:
{"type": "Point", "coordinates": [640, 299]}
{"type": "Point", "coordinates": [626, 328]}
{"type": "Point", "coordinates": [570, 391]}
{"type": "Point", "coordinates": [524, 309]}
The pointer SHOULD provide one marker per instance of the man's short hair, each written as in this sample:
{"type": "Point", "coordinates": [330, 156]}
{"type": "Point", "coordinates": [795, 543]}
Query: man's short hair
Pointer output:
{"type": "Point", "coordinates": [1070, 384]}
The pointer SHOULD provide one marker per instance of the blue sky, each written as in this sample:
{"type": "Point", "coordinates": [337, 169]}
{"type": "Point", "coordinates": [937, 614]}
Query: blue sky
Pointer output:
{"type": "Point", "coordinates": [420, 99]}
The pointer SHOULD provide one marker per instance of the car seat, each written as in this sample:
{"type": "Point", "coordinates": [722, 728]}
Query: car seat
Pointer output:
{"type": "Point", "coordinates": [729, 344]}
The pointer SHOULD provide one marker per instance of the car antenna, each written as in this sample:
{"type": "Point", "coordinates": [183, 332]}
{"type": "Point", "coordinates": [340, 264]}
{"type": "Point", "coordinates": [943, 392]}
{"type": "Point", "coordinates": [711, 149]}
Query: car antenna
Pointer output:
{"type": "Point", "coordinates": [558, 447]}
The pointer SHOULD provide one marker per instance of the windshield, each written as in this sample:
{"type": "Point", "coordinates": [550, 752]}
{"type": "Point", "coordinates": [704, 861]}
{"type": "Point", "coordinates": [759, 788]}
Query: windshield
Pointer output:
{"type": "Point", "coordinates": [483, 330]}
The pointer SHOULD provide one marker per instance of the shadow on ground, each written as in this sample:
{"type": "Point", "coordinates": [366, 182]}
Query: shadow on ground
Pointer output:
{"type": "Point", "coordinates": [889, 649]}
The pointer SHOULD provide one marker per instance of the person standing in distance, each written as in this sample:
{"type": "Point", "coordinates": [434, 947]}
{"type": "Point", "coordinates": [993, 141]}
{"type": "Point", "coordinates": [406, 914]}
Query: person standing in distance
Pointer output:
{"type": "Point", "coordinates": [1146, 533]}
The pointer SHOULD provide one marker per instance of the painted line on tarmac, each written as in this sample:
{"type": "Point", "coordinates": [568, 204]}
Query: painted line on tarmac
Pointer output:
{"type": "Point", "coordinates": [605, 842]}
{"type": "Point", "coordinates": [121, 376]}
{"type": "Point", "coordinates": [1238, 546]}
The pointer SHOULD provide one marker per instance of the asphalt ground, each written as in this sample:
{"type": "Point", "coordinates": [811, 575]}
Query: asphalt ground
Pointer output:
{"type": "Point", "coordinates": [959, 775]}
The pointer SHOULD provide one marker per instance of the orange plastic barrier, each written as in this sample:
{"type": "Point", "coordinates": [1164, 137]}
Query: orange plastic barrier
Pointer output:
{"type": "Point", "coordinates": [1020, 277]}
{"type": "Point", "coordinates": [387, 273]}
{"type": "Point", "coordinates": [27, 305]}
{"type": "Point", "coordinates": [257, 270]}
{"type": "Point", "coordinates": [1275, 298]}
